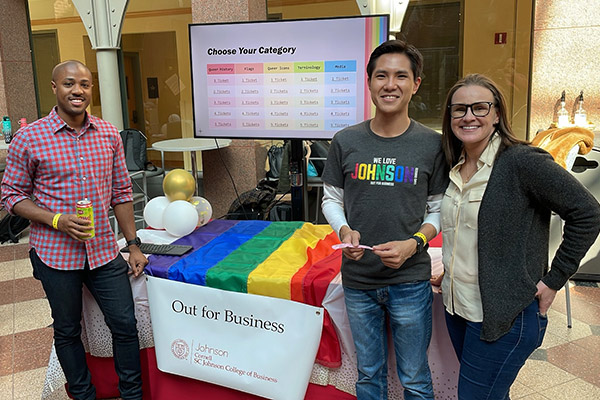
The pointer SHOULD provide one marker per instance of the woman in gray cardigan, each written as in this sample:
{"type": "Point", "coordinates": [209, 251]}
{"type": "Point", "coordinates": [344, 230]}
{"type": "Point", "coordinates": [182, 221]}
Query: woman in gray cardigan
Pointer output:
{"type": "Point", "coordinates": [497, 285]}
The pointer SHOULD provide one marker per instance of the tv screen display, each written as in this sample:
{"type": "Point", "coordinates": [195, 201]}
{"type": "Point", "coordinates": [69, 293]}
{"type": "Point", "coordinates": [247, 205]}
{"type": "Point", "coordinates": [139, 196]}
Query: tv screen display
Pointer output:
{"type": "Point", "coordinates": [292, 79]}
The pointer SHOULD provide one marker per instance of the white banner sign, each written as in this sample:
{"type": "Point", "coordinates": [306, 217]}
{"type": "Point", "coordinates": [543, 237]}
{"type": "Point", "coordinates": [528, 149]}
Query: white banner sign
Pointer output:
{"type": "Point", "coordinates": [256, 344]}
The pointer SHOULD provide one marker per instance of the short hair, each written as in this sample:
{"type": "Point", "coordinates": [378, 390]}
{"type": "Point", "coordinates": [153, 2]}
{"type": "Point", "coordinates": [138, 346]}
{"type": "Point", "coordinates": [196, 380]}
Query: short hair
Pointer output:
{"type": "Point", "coordinates": [64, 64]}
{"type": "Point", "coordinates": [401, 47]}
{"type": "Point", "coordinates": [451, 145]}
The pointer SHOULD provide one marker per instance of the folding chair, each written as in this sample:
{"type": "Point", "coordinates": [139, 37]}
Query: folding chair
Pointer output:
{"type": "Point", "coordinates": [134, 145]}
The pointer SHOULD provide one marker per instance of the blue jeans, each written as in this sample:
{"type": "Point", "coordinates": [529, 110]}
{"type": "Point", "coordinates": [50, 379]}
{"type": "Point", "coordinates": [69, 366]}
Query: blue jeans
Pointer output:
{"type": "Point", "coordinates": [110, 287]}
{"type": "Point", "coordinates": [407, 307]}
{"type": "Point", "coordinates": [488, 369]}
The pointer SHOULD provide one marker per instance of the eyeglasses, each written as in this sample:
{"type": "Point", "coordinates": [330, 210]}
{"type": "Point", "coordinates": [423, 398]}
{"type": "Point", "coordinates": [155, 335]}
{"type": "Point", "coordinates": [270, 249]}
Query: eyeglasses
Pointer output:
{"type": "Point", "coordinates": [479, 109]}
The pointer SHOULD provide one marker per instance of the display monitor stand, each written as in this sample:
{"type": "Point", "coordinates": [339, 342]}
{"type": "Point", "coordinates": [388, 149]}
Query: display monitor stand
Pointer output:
{"type": "Point", "coordinates": [297, 179]}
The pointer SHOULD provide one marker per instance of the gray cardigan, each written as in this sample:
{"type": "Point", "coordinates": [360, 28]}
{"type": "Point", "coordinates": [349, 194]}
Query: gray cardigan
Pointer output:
{"type": "Point", "coordinates": [525, 186]}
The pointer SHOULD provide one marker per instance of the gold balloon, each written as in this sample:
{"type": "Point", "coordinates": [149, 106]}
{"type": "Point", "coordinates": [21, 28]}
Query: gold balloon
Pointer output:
{"type": "Point", "coordinates": [179, 184]}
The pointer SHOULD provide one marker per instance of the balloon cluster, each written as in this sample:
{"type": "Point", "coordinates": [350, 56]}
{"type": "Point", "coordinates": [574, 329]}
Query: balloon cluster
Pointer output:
{"type": "Point", "coordinates": [178, 212]}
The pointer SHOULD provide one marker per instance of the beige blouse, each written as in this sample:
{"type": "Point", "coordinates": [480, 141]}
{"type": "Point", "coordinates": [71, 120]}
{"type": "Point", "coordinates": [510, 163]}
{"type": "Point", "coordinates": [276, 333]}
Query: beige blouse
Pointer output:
{"type": "Point", "coordinates": [460, 207]}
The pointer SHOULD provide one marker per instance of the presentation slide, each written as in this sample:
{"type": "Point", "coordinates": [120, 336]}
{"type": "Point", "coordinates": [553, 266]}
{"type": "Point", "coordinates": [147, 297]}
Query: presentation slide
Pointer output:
{"type": "Point", "coordinates": [286, 79]}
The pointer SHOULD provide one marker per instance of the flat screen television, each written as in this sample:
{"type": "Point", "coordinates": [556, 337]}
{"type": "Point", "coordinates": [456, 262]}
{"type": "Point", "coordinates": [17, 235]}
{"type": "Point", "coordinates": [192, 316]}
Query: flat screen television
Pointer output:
{"type": "Point", "coordinates": [291, 79]}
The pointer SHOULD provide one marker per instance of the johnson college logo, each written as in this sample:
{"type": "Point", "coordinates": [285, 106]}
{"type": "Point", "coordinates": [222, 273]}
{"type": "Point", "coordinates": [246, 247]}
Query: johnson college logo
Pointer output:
{"type": "Point", "coordinates": [180, 349]}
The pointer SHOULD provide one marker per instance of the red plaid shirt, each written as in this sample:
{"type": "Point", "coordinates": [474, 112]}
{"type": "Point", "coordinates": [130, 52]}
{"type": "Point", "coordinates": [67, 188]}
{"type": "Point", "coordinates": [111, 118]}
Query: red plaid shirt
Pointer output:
{"type": "Point", "coordinates": [55, 166]}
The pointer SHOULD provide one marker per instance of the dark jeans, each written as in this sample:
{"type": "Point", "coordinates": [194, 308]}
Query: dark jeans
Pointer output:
{"type": "Point", "coordinates": [488, 369]}
{"type": "Point", "coordinates": [110, 287]}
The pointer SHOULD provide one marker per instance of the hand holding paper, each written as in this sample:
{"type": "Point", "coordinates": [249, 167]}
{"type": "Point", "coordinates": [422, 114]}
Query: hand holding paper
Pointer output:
{"type": "Point", "coordinates": [393, 254]}
{"type": "Point", "coordinates": [351, 239]}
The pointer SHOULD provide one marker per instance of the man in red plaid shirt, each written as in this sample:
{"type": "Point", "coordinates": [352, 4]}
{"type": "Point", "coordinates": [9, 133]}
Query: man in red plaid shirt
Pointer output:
{"type": "Point", "coordinates": [52, 163]}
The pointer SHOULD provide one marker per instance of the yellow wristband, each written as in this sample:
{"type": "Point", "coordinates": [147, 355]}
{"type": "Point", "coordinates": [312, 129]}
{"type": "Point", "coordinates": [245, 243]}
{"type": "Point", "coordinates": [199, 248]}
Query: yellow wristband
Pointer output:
{"type": "Point", "coordinates": [55, 220]}
{"type": "Point", "coordinates": [422, 236]}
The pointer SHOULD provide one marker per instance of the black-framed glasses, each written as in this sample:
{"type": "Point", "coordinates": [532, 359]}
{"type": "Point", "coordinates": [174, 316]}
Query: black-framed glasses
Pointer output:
{"type": "Point", "coordinates": [479, 109]}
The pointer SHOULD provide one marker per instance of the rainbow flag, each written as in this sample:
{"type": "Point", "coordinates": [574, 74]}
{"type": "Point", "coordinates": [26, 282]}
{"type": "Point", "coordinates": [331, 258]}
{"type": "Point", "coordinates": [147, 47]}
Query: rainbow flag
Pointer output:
{"type": "Point", "coordinates": [288, 260]}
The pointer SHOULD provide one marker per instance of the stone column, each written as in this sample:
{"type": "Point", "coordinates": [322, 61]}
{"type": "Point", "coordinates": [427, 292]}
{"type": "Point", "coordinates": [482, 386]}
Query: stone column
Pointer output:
{"type": "Point", "coordinates": [17, 90]}
{"type": "Point", "coordinates": [245, 159]}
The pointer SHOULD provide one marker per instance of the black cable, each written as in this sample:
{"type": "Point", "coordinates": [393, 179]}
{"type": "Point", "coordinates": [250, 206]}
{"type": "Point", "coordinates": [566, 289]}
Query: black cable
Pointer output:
{"type": "Point", "coordinates": [237, 195]}
{"type": "Point", "coordinates": [279, 199]}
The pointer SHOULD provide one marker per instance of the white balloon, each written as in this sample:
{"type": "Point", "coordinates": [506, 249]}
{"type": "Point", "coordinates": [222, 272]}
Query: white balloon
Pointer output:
{"type": "Point", "coordinates": [180, 218]}
{"type": "Point", "coordinates": [203, 208]}
{"type": "Point", "coordinates": [153, 212]}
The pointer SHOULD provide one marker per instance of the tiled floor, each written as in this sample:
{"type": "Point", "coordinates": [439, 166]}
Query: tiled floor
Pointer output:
{"type": "Point", "coordinates": [567, 366]}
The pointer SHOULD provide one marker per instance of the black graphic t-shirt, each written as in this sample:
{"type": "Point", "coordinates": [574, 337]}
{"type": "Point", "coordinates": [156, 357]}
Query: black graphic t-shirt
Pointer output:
{"type": "Point", "coordinates": [386, 183]}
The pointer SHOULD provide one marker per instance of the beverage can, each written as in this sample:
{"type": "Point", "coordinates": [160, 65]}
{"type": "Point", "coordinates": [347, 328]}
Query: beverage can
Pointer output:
{"type": "Point", "coordinates": [86, 211]}
{"type": "Point", "coordinates": [6, 129]}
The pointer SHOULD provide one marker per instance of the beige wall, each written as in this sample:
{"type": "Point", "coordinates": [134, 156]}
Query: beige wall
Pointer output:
{"type": "Point", "coordinates": [566, 56]}
{"type": "Point", "coordinates": [142, 17]}
{"type": "Point", "coordinates": [507, 64]}
{"type": "Point", "coordinates": [179, 25]}
{"type": "Point", "coordinates": [60, 9]}
{"type": "Point", "coordinates": [71, 39]}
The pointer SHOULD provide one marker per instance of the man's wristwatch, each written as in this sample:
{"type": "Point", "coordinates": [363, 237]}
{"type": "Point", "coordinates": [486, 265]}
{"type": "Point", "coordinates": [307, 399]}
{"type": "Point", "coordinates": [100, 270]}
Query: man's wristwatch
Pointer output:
{"type": "Point", "coordinates": [420, 243]}
{"type": "Point", "coordinates": [136, 241]}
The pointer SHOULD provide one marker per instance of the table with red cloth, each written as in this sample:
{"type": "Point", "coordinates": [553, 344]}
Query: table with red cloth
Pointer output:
{"type": "Point", "coordinates": [290, 260]}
